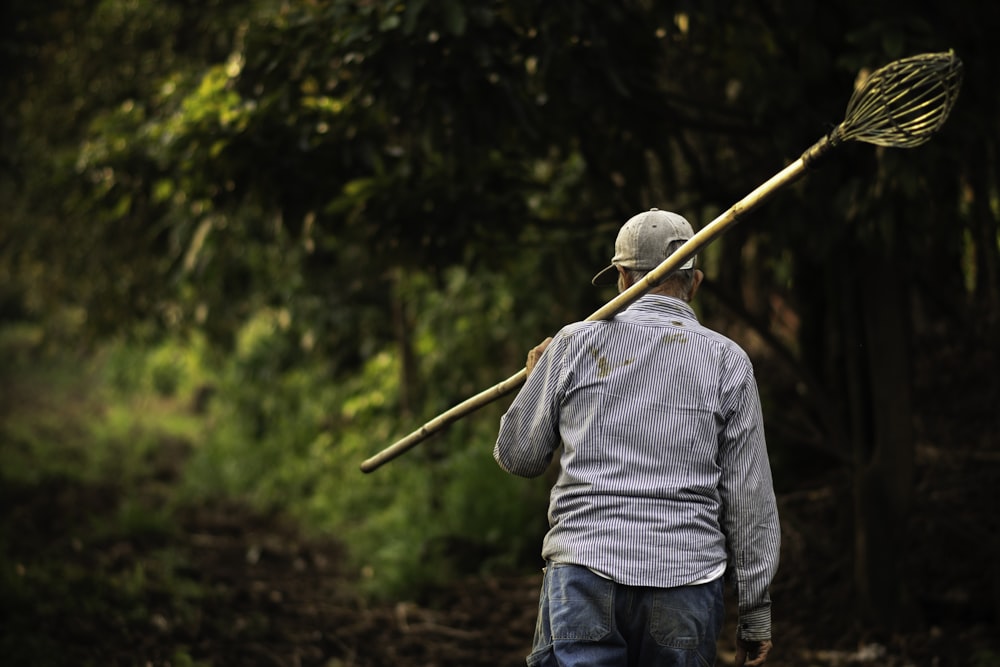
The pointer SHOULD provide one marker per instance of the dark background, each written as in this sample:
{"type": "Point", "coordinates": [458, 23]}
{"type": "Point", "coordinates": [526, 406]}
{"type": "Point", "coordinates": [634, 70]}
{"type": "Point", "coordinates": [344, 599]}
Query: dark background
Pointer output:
{"type": "Point", "coordinates": [245, 246]}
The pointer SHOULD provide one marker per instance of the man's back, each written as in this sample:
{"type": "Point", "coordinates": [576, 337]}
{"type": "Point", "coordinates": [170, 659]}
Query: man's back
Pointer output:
{"type": "Point", "coordinates": [642, 401]}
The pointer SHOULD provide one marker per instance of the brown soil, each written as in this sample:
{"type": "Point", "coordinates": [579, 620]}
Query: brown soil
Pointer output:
{"type": "Point", "coordinates": [275, 598]}
{"type": "Point", "coordinates": [272, 597]}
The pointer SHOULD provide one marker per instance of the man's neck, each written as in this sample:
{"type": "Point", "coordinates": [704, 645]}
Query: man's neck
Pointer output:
{"type": "Point", "coordinates": [664, 291]}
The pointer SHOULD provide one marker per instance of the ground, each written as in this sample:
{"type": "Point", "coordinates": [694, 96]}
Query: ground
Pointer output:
{"type": "Point", "coordinates": [276, 598]}
{"type": "Point", "coordinates": [228, 585]}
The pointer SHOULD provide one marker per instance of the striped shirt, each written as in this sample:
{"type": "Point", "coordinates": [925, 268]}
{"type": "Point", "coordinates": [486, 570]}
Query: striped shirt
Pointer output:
{"type": "Point", "coordinates": [664, 475]}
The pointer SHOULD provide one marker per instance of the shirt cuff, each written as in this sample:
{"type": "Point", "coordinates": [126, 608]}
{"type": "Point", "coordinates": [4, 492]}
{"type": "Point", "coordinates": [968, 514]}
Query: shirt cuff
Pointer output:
{"type": "Point", "coordinates": [755, 625]}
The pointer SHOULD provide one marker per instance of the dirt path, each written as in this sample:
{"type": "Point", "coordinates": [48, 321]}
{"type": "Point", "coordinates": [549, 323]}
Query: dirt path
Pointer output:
{"type": "Point", "coordinates": [284, 601]}
{"type": "Point", "coordinates": [229, 586]}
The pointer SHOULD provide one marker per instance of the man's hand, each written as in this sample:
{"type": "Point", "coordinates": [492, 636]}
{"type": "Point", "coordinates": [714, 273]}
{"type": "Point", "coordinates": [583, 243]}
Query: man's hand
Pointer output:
{"type": "Point", "coordinates": [535, 353]}
{"type": "Point", "coordinates": [751, 653]}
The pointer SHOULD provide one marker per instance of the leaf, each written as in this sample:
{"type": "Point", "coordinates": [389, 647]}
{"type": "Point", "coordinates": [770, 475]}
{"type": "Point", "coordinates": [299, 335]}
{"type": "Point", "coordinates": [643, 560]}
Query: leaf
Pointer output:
{"type": "Point", "coordinates": [454, 17]}
{"type": "Point", "coordinates": [163, 189]}
{"type": "Point", "coordinates": [390, 22]}
{"type": "Point", "coordinates": [411, 13]}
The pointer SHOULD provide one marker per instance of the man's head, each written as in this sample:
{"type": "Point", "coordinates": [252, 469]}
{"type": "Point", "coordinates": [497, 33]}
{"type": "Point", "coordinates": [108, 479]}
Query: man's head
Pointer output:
{"type": "Point", "coordinates": [643, 243]}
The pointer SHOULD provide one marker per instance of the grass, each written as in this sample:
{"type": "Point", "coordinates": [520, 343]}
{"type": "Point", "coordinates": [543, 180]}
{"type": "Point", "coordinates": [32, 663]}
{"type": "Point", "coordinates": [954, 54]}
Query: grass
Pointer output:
{"type": "Point", "coordinates": [116, 476]}
{"type": "Point", "coordinates": [86, 535]}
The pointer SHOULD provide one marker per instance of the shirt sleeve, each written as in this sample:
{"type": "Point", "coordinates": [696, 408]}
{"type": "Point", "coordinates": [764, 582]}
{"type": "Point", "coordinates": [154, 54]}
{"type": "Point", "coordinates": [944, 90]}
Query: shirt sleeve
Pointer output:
{"type": "Point", "coordinates": [749, 509]}
{"type": "Point", "coordinates": [529, 430]}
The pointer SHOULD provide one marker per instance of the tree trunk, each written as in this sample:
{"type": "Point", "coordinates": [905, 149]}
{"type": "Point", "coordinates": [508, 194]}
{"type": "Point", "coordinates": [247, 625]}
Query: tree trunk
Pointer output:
{"type": "Point", "coordinates": [884, 447]}
{"type": "Point", "coordinates": [983, 232]}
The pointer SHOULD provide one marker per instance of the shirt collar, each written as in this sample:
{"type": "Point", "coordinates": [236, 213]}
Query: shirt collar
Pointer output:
{"type": "Point", "coordinates": [659, 304]}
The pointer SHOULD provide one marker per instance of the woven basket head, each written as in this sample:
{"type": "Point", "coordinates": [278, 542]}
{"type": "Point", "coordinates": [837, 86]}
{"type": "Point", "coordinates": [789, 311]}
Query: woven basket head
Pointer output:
{"type": "Point", "coordinates": [903, 103]}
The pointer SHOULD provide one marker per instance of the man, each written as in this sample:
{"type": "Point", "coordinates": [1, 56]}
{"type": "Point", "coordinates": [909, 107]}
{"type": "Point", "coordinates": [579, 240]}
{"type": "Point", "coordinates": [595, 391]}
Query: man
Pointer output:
{"type": "Point", "coordinates": [663, 479]}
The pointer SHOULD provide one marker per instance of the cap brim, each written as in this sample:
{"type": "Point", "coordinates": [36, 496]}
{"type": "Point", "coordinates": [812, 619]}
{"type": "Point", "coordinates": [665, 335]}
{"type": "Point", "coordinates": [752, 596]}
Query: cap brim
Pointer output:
{"type": "Point", "coordinates": [607, 276]}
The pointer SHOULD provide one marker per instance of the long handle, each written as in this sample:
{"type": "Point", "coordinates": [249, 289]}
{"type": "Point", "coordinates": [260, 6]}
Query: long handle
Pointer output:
{"type": "Point", "coordinates": [901, 104]}
{"type": "Point", "coordinates": [706, 235]}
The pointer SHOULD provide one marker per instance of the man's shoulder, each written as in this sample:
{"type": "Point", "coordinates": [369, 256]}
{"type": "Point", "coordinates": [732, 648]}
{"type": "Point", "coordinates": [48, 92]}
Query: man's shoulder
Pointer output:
{"type": "Point", "coordinates": [725, 341]}
{"type": "Point", "coordinates": [577, 334]}
{"type": "Point", "coordinates": [722, 338]}
{"type": "Point", "coordinates": [729, 347]}
{"type": "Point", "coordinates": [580, 327]}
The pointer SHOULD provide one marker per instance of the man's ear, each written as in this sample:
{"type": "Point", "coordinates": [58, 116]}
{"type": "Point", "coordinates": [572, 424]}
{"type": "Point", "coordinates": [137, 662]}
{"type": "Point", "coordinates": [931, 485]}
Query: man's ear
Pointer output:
{"type": "Point", "coordinates": [696, 283]}
{"type": "Point", "coordinates": [624, 281]}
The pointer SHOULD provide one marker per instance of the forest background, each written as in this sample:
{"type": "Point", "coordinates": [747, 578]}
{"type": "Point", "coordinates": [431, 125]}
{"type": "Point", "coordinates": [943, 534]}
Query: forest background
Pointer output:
{"type": "Point", "coordinates": [246, 245]}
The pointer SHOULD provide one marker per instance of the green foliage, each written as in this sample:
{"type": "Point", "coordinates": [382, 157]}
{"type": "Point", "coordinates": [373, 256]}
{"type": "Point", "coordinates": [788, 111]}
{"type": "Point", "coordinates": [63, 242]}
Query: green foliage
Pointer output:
{"type": "Point", "coordinates": [289, 435]}
{"type": "Point", "coordinates": [175, 368]}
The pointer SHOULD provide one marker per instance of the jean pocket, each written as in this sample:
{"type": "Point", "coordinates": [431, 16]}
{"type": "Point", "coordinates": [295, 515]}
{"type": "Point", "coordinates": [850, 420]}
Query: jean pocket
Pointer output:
{"type": "Point", "coordinates": [674, 624]}
{"type": "Point", "coordinates": [580, 603]}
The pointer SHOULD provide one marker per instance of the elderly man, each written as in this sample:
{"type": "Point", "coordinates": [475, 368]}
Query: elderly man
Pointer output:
{"type": "Point", "coordinates": [664, 481]}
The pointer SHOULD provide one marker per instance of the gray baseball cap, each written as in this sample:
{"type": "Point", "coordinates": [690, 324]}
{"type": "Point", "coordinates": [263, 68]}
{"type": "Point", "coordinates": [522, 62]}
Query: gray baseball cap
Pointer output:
{"type": "Point", "coordinates": [643, 243]}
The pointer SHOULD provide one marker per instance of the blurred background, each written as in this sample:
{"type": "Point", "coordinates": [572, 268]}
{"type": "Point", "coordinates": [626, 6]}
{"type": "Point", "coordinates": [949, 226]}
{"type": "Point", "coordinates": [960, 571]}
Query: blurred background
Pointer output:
{"type": "Point", "coordinates": [246, 245]}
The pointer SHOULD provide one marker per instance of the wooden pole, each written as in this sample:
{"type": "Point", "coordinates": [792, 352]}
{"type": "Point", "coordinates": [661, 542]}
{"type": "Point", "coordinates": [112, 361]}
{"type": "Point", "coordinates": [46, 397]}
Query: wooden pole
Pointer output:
{"type": "Point", "coordinates": [691, 247]}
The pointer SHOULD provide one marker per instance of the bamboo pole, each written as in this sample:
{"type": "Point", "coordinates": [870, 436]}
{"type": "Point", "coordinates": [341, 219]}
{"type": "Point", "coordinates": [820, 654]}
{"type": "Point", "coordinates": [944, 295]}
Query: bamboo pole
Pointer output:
{"type": "Point", "coordinates": [691, 247]}
{"type": "Point", "coordinates": [900, 105]}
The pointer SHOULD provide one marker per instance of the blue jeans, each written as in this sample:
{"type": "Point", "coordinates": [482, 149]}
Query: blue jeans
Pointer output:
{"type": "Point", "coordinates": [585, 619]}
